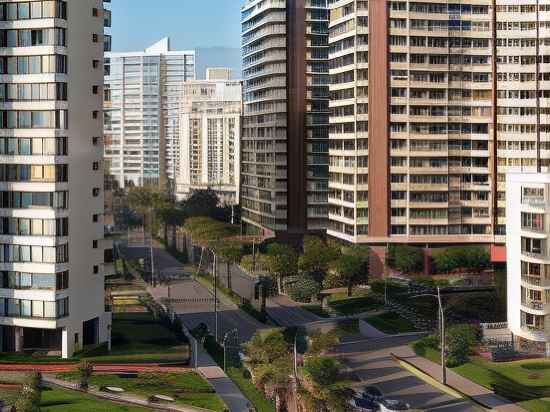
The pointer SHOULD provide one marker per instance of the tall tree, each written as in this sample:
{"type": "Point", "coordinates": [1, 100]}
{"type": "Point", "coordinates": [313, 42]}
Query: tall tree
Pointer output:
{"type": "Point", "coordinates": [350, 269]}
{"type": "Point", "coordinates": [282, 261]}
{"type": "Point", "coordinates": [317, 256]}
{"type": "Point", "coordinates": [270, 362]}
{"type": "Point", "coordinates": [327, 390]}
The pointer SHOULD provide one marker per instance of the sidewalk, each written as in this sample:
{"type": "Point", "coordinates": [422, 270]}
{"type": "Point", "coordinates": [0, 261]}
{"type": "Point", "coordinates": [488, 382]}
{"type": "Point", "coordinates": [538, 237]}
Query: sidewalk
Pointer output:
{"type": "Point", "coordinates": [476, 392]}
{"type": "Point", "coordinates": [224, 386]}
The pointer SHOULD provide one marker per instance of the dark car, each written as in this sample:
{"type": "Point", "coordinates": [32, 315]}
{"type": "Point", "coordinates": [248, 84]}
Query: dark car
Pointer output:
{"type": "Point", "coordinates": [372, 393]}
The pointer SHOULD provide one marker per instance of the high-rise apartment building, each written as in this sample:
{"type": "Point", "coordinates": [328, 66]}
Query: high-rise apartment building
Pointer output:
{"type": "Point", "coordinates": [52, 251]}
{"type": "Point", "coordinates": [210, 136]}
{"type": "Point", "coordinates": [284, 164]}
{"type": "Point", "coordinates": [142, 100]}
{"type": "Point", "coordinates": [528, 261]}
{"type": "Point", "coordinates": [432, 103]}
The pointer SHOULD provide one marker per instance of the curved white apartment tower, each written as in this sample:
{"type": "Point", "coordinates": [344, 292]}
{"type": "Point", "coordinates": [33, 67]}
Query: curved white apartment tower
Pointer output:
{"type": "Point", "coordinates": [51, 177]}
{"type": "Point", "coordinates": [528, 255]}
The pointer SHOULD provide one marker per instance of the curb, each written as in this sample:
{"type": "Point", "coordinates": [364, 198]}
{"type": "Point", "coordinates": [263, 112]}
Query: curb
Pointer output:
{"type": "Point", "coordinates": [449, 390]}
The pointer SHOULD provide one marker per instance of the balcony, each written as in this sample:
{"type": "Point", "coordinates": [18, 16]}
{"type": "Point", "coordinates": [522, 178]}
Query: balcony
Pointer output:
{"type": "Point", "coordinates": [535, 305]}
{"type": "Point", "coordinates": [535, 280]}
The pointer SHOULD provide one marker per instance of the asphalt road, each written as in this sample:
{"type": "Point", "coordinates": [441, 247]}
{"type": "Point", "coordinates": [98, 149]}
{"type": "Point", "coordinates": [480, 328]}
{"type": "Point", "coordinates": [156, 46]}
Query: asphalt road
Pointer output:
{"type": "Point", "coordinates": [197, 301]}
{"type": "Point", "coordinates": [370, 360]}
{"type": "Point", "coordinates": [287, 313]}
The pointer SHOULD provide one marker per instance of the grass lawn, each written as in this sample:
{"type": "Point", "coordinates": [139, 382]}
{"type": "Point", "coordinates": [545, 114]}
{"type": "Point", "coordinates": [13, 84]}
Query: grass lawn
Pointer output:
{"type": "Point", "coordinates": [526, 381]}
{"type": "Point", "coordinates": [391, 323]}
{"type": "Point", "coordinates": [61, 400]}
{"type": "Point", "coordinates": [137, 337]}
{"type": "Point", "coordinates": [258, 399]}
{"type": "Point", "coordinates": [359, 303]}
{"type": "Point", "coordinates": [186, 388]}
{"type": "Point", "coordinates": [536, 405]}
{"type": "Point", "coordinates": [9, 396]}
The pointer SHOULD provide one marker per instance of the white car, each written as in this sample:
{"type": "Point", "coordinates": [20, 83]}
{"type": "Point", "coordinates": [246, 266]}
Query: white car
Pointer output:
{"type": "Point", "coordinates": [392, 405]}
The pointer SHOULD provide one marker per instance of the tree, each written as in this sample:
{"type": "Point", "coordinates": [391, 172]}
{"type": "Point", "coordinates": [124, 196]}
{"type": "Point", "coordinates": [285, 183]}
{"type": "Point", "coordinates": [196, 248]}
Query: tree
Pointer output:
{"type": "Point", "coordinates": [350, 269]}
{"type": "Point", "coordinates": [270, 363]}
{"type": "Point", "coordinates": [282, 261]}
{"type": "Point", "coordinates": [325, 386]}
{"type": "Point", "coordinates": [205, 203]}
{"type": "Point", "coordinates": [474, 258]}
{"type": "Point", "coordinates": [317, 256]}
{"type": "Point", "coordinates": [85, 370]}
{"type": "Point", "coordinates": [31, 393]}
{"type": "Point", "coordinates": [304, 289]}
{"type": "Point", "coordinates": [320, 343]}
{"type": "Point", "coordinates": [460, 339]}
{"type": "Point", "coordinates": [405, 258]}
{"type": "Point", "coordinates": [232, 253]}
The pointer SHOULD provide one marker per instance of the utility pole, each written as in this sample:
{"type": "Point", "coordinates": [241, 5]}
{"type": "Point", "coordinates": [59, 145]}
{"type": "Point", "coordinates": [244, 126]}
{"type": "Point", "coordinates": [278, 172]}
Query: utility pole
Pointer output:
{"type": "Point", "coordinates": [152, 261]}
{"type": "Point", "coordinates": [215, 270]}
{"type": "Point", "coordinates": [441, 313]}
{"type": "Point", "coordinates": [442, 333]}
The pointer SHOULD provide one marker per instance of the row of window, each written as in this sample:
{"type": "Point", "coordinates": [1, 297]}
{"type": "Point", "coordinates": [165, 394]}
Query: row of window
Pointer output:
{"type": "Point", "coordinates": [34, 200]}
{"type": "Point", "coordinates": [34, 308]}
{"type": "Point", "coordinates": [34, 173]}
{"type": "Point", "coordinates": [10, 253]}
{"type": "Point", "coordinates": [26, 146]}
{"type": "Point", "coordinates": [37, 281]}
{"type": "Point", "coordinates": [13, 92]}
{"type": "Point", "coordinates": [36, 119]}
{"type": "Point", "coordinates": [34, 227]}
{"type": "Point", "coordinates": [54, 63]}
{"type": "Point", "coordinates": [33, 10]}
{"type": "Point", "coordinates": [33, 37]}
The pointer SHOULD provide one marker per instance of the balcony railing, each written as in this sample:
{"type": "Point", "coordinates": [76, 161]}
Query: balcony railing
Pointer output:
{"type": "Point", "coordinates": [535, 280]}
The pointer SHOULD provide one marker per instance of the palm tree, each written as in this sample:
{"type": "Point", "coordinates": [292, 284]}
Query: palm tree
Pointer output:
{"type": "Point", "coordinates": [270, 363]}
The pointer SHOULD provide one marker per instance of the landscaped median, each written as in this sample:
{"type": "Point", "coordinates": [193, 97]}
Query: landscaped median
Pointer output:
{"type": "Point", "coordinates": [187, 388]}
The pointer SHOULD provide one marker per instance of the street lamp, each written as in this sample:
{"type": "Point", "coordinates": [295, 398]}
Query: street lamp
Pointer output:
{"type": "Point", "coordinates": [441, 330]}
{"type": "Point", "coordinates": [225, 346]}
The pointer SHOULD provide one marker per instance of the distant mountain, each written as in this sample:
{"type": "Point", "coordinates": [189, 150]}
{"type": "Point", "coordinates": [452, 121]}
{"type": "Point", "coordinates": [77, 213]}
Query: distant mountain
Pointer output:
{"type": "Point", "coordinates": [218, 57]}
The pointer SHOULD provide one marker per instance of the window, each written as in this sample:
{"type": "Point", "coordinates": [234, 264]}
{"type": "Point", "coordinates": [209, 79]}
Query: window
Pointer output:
{"type": "Point", "coordinates": [96, 269]}
{"type": "Point", "coordinates": [94, 244]}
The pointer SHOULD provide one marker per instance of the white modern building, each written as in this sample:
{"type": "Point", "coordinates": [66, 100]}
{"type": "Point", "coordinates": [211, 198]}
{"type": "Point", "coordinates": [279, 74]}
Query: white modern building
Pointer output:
{"type": "Point", "coordinates": [142, 99]}
{"type": "Point", "coordinates": [52, 251]}
{"type": "Point", "coordinates": [528, 260]}
{"type": "Point", "coordinates": [210, 136]}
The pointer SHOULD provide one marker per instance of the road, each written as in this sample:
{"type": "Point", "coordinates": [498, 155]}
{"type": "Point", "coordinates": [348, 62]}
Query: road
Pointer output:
{"type": "Point", "coordinates": [287, 313]}
{"type": "Point", "coordinates": [372, 363]}
{"type": "Point", "coordinates": [197, 301]}
{"type": "Point", "coordinates": [369, 359]}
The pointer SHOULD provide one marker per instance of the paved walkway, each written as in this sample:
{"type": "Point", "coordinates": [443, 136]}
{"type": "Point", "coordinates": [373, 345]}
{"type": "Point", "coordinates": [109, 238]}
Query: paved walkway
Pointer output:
{"type": "Point", "coordinates": [477, 392]}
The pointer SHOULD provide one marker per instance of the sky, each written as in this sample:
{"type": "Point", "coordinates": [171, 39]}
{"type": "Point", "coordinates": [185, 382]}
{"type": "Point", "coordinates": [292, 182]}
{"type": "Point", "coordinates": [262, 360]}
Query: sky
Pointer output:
{"type": "Point", "coordinates": [189, 23]}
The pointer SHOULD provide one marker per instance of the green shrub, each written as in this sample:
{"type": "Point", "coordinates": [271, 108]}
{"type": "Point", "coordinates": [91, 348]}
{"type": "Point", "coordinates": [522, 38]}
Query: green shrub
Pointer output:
{"type": "Point", "coordinates": [85, 370]}
{"type": "Point", "coordinates": [420, 346]}
{"type": "Point", "coordinates": [304, 289]}
{"type": "Point", "coordinates": [31, 393]}
{"type": "Point", "coordinates": [460, 340]}
{"type": "Point", "coordinates": [405, 258]}
{"type": "Point", "coordinates": [450, 259]}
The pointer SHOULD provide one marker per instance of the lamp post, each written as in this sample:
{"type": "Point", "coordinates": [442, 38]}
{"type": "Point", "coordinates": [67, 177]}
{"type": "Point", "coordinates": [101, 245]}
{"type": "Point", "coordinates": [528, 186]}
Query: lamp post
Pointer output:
{"type": "Point", "coordinates": [441, 313]}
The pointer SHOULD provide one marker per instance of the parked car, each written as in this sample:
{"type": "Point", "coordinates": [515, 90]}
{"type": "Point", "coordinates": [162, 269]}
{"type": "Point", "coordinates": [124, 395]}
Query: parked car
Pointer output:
{"type": "Point", "coordinates": [392, 405]}
{"type": "Point", "coordinates": [372, 393]}
{"type": "Point", "coordinates": [360, 404]}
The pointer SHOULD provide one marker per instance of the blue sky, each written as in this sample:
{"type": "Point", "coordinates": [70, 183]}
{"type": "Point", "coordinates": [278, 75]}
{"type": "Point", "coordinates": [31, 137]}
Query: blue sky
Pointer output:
{"type": "Point", "coordinates": [188, 23]}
